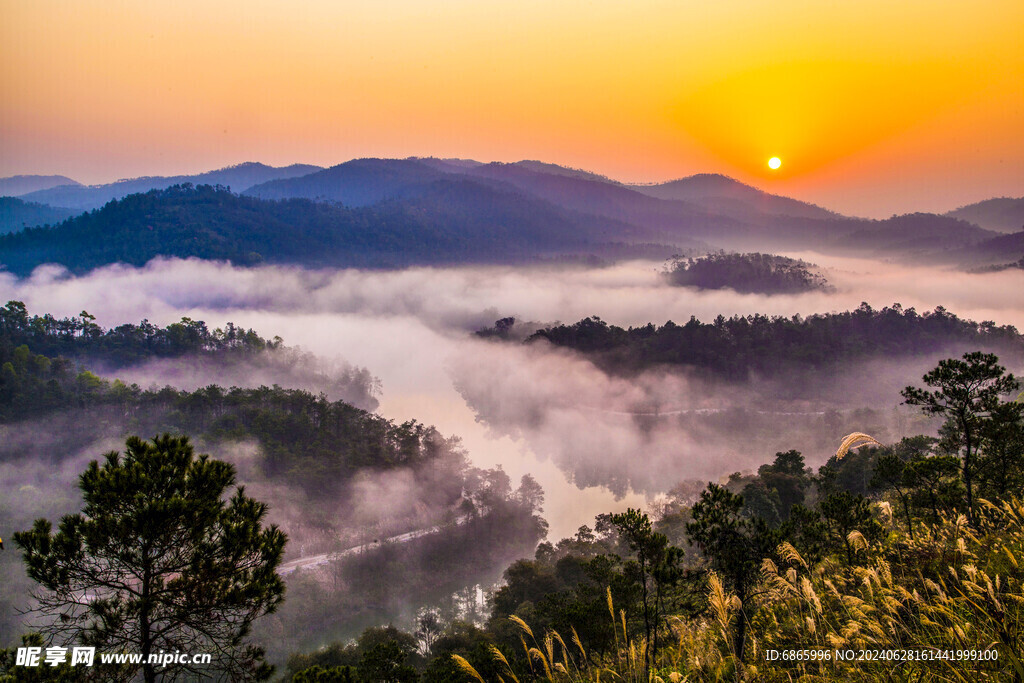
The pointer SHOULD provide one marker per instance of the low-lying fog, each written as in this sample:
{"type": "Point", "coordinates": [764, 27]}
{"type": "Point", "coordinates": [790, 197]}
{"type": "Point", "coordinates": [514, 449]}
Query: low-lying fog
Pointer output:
{"type": "Point", "coordinates": [535, 409]}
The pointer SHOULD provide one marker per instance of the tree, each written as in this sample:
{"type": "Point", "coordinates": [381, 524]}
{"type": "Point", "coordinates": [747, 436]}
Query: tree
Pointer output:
{"type": "Point", "coordinates": [318, 674]}
{"type": "Point", "coordinates": [734, 546]}
{"type": "Point", "coordinates": [1001, 465]}
{"type": "Point", "coordinates": [159, 559]}
{"type": "Point", "coordinates": [843, 513]}
{"type": "Point", "coordinates": [967, 391]}
{"type": "Point", "coordinates": [429, 627]}
{"type": "Point", "coordinates": [385, 662]}
{"type": "Point", "coordinates": [891, 472]}
{"type": "Point", "coordinates": [651, 550]}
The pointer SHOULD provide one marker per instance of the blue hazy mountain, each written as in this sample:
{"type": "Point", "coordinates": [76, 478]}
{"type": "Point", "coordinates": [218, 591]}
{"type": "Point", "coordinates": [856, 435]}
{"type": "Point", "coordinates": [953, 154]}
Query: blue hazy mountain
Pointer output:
{"type": "Point", "coordinates": [723, 194]}
{"type": "Point", "coordinates": [16, 214]}
{"type": "Point", "coordinates": [238, 178]}
{"type": "Point", "coordinates": [359, 182]}
{"type": "Point", "coordinates": [448, 221]}
{"type": "Point", "coordinates": [395, 212]}
{"type": "Point", "coordinates": [18, 185]}
{"type": "Point", "coordinates": [1002, 214]}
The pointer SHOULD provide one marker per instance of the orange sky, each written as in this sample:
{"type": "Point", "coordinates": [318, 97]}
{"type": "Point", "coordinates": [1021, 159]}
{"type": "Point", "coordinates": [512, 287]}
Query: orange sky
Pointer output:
{"type": "Point", "coordinates": [874, 107]}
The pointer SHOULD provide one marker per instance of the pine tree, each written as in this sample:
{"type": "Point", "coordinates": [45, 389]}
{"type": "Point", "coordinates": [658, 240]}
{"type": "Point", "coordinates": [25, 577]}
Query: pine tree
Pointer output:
{"type": "Point", "coordinates": [162, 558]}
{"type": "Point", "coordinates": [966, 393]}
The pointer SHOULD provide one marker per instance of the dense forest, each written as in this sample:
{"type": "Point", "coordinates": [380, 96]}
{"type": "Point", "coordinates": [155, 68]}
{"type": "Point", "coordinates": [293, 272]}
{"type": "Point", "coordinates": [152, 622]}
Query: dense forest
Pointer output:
{"type": "Point", "coordinates": [319, 463]}
{"type": "Point", "coordinates": [305, 440]}
{"type": "Point", "coordinates": [16, 214]}
{"type": "Point", "coordinates": [88, 197]}
{"type": "Point", "coordinates": [747, 274]}
{"type": "Point", "coordinates": [737, 348]}
{"type": "Point", "coordinates": [80, 337]}
{"type": "Point", "coordinates": [912, 548]}
{"type": "Point", "coordinates": [449, 221]}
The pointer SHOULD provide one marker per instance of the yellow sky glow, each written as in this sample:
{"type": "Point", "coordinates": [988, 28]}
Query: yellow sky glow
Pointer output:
{"type": "Point", "coordinates": [874, 106]}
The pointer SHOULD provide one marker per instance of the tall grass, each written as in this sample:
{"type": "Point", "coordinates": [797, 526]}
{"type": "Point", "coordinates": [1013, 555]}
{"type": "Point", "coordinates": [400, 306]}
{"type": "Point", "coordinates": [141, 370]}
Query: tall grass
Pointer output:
{"type": "Point", "coordinates": [954, 589]}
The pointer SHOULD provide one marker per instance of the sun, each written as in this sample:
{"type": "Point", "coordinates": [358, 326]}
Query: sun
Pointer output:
{"type": "Point", "coordinates": [774, 163]}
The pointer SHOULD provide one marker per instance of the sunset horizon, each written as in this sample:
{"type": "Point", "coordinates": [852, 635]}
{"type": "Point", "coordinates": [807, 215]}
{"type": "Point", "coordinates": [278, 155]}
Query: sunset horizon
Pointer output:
{"type": "Point", "coordinates": [874, 110]}
{"type": "Point", "coordinates": [472, 342]}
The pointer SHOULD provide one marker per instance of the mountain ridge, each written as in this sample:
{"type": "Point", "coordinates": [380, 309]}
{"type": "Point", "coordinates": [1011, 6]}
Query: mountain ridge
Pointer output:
{"type": "Point", "coordinates": [16, 214]}
{"type": "Point", "coordinates": [451, 221]}
{"type": "Point", "coordinates": [88, 197]}
{"type": "Point", "coordinates": [18, 185]}
{"type": "Point", "coordinates": [468, 211]}
{"type": "Point", "coordinates": [1002, 214]}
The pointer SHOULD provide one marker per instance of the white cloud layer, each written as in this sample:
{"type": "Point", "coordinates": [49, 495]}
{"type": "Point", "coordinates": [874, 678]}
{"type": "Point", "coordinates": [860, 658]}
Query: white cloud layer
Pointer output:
{"type": "Point", "coordinates": [531, 409]}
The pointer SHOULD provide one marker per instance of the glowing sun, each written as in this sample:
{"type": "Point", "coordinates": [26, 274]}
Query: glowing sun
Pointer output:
{"type": "Point", "coordinates": [774, 163]}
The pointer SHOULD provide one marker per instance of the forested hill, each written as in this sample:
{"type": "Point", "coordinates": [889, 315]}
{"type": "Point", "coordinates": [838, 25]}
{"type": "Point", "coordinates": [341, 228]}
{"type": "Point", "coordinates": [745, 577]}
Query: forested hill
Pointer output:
{"type": "Point", "coordinates": [1002, 214]}
{"type": "Point", "coordinates": [88, 197]}
{"type": "Point", "coordinates": [384, 213]}
{"type": "Point", "coordinates": [734, 348]}
{"type": "Point", "coordinates": [16, 214]}
{"type": "Point", "coordinates": [318, 463]}
{"type": "Point", "coordinates": [746, 273]}
{"type": "Point", "coordinates": [79, 337]}
{"type": "Point", "coordinates": [447, 222]}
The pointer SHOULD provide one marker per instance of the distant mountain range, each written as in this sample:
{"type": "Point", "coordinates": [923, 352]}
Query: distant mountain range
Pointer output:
{"type": "Point", "coordinates": [1003, 214]}
{"type": "Point", "coordinates": [396, 212]}
{"type": "Point", "coordinates": [16, 214]}
{"type": "Point", "coordinates": [15, 186]}
{"type": "Point", "coordinates": [87, 197]}
{"type": "Point", "coordinates": [719, 193]}
{"type": "Point", "coordinates": [452, 221]}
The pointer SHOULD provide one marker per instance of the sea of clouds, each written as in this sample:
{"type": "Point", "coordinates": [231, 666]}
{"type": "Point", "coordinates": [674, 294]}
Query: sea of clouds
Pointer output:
{"type": "Point", "coordinates": [595, 442]}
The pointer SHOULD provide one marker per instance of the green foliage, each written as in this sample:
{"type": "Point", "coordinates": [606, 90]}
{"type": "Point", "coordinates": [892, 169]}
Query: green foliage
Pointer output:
{"type": "Point", "coordinates": [159, 559]}
{"type": "Point", "coordinates": [966, 393]}
{"type": "Point", "coordinates": [1001, 451]}
{"type": "Point", "coordinates": [872, 553]}
{"type": "Point", "coordinates": [380, 655]}
{"type": "Point", "coordinates": [386, 663]}
{"type": "Point", "coordinates": [10, 672]}
{"type": "Point", "coordinates": [658, 570]}
{"type": "Point", "coordinates": [734, 545]}
{"type": "Point", "coordinates": [842, 514]}
{"type": "Point", "coordinates": [16, 214]}
{"type": "Point", "coordinates": [38, 373]}
{"type": "Point", "coordinates": [80, 337]}
{"type": "Point", "coordinates": [777, 488]}
{"type": "Point", "coordinates": [318, 674]}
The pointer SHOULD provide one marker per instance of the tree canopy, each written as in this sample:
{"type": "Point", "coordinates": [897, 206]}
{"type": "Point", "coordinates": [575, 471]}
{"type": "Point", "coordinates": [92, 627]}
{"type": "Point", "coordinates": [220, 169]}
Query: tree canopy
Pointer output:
{"type": "Point", "coordinates": [966, 392]}
{"type": "Point", "coordinates": [164, 557]}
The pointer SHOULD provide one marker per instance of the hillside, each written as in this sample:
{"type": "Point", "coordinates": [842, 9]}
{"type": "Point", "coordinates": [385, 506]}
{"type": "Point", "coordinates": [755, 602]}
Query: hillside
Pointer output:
{"type": "Point", "coordinates": [747, 274]}
{"type": "Point", "coordinates": [997, 252]}
{"type": "Point", "coordinates": [705, 208]}
{"type": "Point", "coordinates": [396, 212]}
{"type": "Point", "coordinates": [919, 235]}
{"type": "Point", "coordinates": [360, 182]}
{"type": "Point", "coordinates": [448, 222]}
{"type": "Point", "coordinates": [739, 347]}
{"type": "Point", "coordinates": [311, 459]}
{"type": "Point", "coordinates": [15, 186]}
{"type": "Point", "coordinates": [718, 192]}
{"type": "Point", "coordinates": [16, 214]}
{"type": "Point", "coordinates": [1002, 214]}
{"type": "Point", "coordinates": [238, 178]}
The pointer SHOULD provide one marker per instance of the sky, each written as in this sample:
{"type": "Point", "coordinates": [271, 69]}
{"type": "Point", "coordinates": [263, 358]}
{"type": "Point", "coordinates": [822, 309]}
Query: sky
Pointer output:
{"type": "Point", "coordinates": [874, 107]}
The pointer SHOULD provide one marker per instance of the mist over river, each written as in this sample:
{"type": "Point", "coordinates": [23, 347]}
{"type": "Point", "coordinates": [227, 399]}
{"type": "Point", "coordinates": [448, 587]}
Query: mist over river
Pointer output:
{"type": "Point", "coordinates": [596, 443]}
